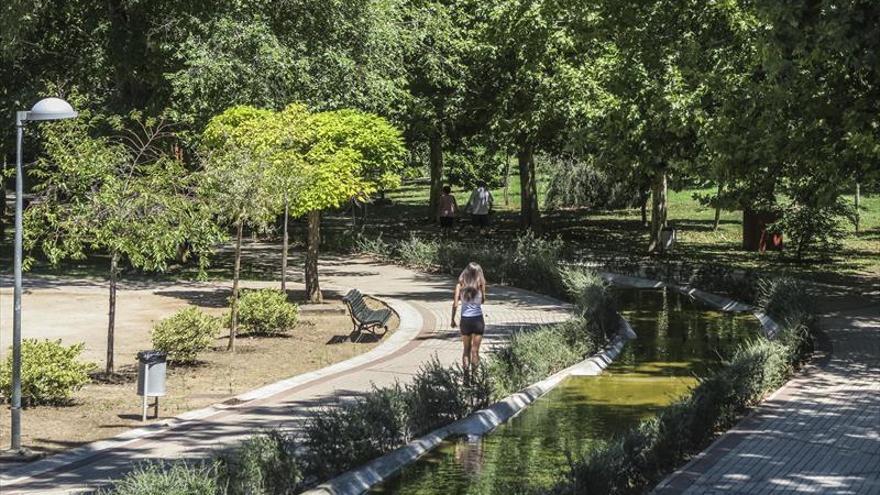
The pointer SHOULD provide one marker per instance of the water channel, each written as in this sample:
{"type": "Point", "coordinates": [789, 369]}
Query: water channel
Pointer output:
{"type": "Point", "coordinates": [678, 339]}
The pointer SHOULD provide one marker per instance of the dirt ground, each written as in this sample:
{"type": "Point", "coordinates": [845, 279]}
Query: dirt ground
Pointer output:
{"type": "Point", "coordinates": [100, 410]}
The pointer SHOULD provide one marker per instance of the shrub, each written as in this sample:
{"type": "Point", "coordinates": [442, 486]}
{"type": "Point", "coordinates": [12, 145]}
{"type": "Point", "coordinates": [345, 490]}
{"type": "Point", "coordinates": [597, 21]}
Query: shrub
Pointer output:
{"type": "Point", "coordinates": [50, 372]}
{"type": "Point", "coordinates": [580, 183]}
{"type": "Point", "coordinates": [340, 438]}
{"type": "Point", "coordinates": [814, 228]}
{"type": "Point", "coordinates": [439, 395]}
{"type": "Point", "coordinates": [374, 246]}
{"type": "Point", "coordinates": [418, 253]}
{"type": "Point", "coordinates": [535, 263]}
{"type": "Point", "coordinates": [531, 355]}
{"type": "Point", "coordinates": [593, 300]}
{"type": "Point", "coordinates": [265, 464]}
{"type": "Point", "coordinates": [159, 478]}
{"type": "Point", "coordinates": [266, 312]}
{"type": "Point", "coordinates": [185, 334]}
{"type": "Point", "coordinates": [785, 299]}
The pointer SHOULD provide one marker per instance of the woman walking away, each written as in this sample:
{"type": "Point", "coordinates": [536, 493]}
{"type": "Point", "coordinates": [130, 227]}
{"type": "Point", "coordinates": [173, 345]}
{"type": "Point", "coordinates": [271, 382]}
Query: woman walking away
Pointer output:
{"type": "Point", "coordinates": [447, 209]}
{"type": "Point", "coordinates": [479, 206]}
{"type": "Point", "coordinates": [471, 291]}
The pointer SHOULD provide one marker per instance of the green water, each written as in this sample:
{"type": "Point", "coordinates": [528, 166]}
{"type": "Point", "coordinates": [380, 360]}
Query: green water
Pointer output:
{"type": "Point", "coordinates": [677, 340]}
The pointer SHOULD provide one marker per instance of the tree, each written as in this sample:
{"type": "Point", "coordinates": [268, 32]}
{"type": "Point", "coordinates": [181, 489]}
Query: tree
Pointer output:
{"type": "Point", "coordinates": [349, 154]}
{"type": "Point", "coordinates": [237, 182]}
{"type": "Point", "coordinates": [534, 79]}
{"type": "Point", "coordinates": [124, 197]}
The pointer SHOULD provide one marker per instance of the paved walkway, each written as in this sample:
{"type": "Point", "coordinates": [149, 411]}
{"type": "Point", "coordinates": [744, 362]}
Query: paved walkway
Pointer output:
{"type": "Point", "coordinates": [424, 302]}
{"type": "Point", "coordinates": [820, 433]}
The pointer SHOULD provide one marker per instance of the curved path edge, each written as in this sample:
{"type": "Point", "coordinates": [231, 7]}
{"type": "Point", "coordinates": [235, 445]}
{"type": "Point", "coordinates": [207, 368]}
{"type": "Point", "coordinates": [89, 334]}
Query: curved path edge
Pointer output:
{"type": "Point", "coordinates": [411, 326]}
{"type": "Point", "coordinates": [477, 424]}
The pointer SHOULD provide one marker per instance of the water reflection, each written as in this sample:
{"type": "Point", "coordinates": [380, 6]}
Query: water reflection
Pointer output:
{"type": "Point", "coordinates": [678, 340]}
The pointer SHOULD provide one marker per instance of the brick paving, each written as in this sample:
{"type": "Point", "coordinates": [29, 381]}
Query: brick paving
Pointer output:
{"type": "Point", "coordinates": [431, 297]}
{"type": "Point", "coordinates": [820, 433]}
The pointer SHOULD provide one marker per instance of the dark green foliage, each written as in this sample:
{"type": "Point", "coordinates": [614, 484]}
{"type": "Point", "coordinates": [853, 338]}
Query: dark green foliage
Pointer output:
{"type": "Point", "coordinates": [439, 395]}
{"type": "Point", "coordinates": [814, 228]}
{"type": "Point", "coordinates": [159, 478]}
{"type": "Point", "coordinates": [466, 167]}
{"type": "Point", "coordinates": [265, 464]}
{"type": "Point", "coordinates": [580, 183]}
{"type": "Point", "coordinates": [593, 300]}
{"type": "Point", "coordinates": [532, 355]}
{"type": "Point", "coordinates": [339, 438]}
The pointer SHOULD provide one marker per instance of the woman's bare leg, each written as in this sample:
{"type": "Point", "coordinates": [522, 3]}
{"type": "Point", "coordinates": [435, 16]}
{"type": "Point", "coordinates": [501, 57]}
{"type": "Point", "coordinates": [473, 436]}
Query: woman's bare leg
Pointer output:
{"type": "Point", "coordinates": [466, 354]}
{"type": "Point", "coordinates": [476, 339]}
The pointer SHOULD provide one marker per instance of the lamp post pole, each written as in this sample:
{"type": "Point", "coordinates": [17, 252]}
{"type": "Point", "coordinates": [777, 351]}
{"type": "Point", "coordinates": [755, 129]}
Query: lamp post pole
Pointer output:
{"type": "Point", "coordinates": [20, 118]}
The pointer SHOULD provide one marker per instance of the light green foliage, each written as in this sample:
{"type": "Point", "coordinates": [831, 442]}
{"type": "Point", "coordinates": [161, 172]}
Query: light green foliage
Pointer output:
{"type": "Point", "coordinates": [159, 478]}
{"type": "Point", "coordinates": [236, 180]}
{"type": "Point", "coordinates": [50, 372]}
{"type": "Point", "coordinates": [267, 312]}
{"type": "Point", "coordinates": [593, 299]}
{"type": "Point", "coordinates": [265, 464]}
{"type": "Point", "coordinates": [185, 334]}
{"type": "Point", "coordinates": [814, 228]}
{"type": "Point", "coordinates": [530, 356]}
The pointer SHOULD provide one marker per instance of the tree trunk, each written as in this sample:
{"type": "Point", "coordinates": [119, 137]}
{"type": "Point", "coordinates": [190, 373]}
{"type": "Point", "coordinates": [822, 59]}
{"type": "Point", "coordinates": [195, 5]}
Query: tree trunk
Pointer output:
{"type": "Point", "coordinates": [111, 316]}
{"type": "Point", "coordinates": [506, 178]}
{"type": "Point", "coordinates": [644, 196]}
{"type": "Point", "coordinates": [718, 205]}
{"type": "Point", "coordinates": [236, 272]}
{"type": "Point", "coordinates": [658, 211]}
{"type": "Point", "coordinates": [530, 216]}
{"type": "Point", "coordinates": [858, 200]}
{"type": "Point", "coordinates": [436, 159]}
{"type": "Point", "coordinates": [284, 247]}
{"type": "Point", "coordinates": [313, 289]}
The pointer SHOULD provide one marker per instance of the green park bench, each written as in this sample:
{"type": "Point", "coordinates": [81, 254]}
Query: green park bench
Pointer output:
{"type": "Point", "coordinates": [364, 318]}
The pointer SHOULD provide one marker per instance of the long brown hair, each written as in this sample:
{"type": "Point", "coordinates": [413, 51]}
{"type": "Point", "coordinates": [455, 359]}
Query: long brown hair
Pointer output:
{"type": "Point", "coordinates": [470, 280]}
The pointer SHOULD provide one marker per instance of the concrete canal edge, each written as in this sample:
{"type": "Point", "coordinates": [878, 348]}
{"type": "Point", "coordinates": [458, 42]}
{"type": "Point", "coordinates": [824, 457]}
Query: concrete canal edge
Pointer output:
{"type": "Point", "coordinates": [477, 424]}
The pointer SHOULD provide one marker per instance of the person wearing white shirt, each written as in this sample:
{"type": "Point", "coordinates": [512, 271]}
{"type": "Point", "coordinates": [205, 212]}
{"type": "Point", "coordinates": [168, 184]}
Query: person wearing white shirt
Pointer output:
{"type": "Point", "coordinates": [480, 205]}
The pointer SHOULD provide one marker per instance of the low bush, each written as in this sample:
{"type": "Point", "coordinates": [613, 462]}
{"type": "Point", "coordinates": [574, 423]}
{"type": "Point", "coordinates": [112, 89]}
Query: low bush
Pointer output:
{"type": "Point", "coordinates": [375, 246]}
{"type": "Point", "coordinates": [159, 478]}
{"type": "Point", "coordinates": [266, 312]}
{"type": "Point", "coordinates": [593, 299]}
{"type": "Point", "coordinates": [265, 464]}
{"type": "Point", "coordinates": [185, 334]}
{"type": "Point", "coordinates": [785, 299]}
{"type": "Point", "coordinates": [50, 372]}
{"type": "Point", "coordinates": [439, 395]}
{"type": "Point", "coordinates": [418, 253]}
{"type": "Point", "coordinates": [339, 438]}
{"type": "Point", "coordinates": [535, 264]}
{"type": "Point", "coordinates": [531, 355]}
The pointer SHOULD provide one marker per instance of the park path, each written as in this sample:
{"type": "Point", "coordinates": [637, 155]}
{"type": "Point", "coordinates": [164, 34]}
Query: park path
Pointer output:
{"type": "Point", "coordinates": [820, 433]}
{"type": "Point", "coordinates": [423, 302]}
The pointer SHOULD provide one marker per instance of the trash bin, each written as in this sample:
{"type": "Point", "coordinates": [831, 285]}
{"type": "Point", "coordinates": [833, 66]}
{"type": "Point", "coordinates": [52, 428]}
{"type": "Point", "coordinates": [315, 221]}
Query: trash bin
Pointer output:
{"type": "Point", "coordinates": [151, 377]}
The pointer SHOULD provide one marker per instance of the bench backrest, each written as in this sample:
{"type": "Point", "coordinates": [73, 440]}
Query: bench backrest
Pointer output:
{"type": "Point", "coordinates": [355, 301]}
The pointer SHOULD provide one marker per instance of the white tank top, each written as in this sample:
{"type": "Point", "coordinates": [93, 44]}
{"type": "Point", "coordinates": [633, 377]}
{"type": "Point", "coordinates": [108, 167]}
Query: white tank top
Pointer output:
{"type": "Point", "coordinates": [471, 308]}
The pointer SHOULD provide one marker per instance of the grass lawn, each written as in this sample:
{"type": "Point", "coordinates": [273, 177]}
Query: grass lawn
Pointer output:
{"type": "Point", "coordinates": [610, 234]}
{"type": "Point", "coordinates": [101, 410]}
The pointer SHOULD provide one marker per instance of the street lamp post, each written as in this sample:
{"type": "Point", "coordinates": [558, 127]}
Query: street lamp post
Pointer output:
{"type": "Point", "coordinates": [45, 109]}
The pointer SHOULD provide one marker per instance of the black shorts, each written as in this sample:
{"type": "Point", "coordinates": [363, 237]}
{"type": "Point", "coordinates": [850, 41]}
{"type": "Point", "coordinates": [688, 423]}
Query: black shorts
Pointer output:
{"type": "Point", "coordinates": [447, 221]}
{"type": "Point", "coordinates": [480, 220]}
{"type": "Point", "coordinates": [472, 325]}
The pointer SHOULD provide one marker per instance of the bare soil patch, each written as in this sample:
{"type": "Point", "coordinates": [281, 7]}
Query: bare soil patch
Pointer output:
{"type": "Point", "coordinates": [106, 408]}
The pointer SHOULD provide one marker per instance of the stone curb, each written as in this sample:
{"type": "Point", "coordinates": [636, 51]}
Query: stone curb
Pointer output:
{"type": "Point", "coordinates": [410, 326]}
{"type": "Point", "coordinates": [477, 424]}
